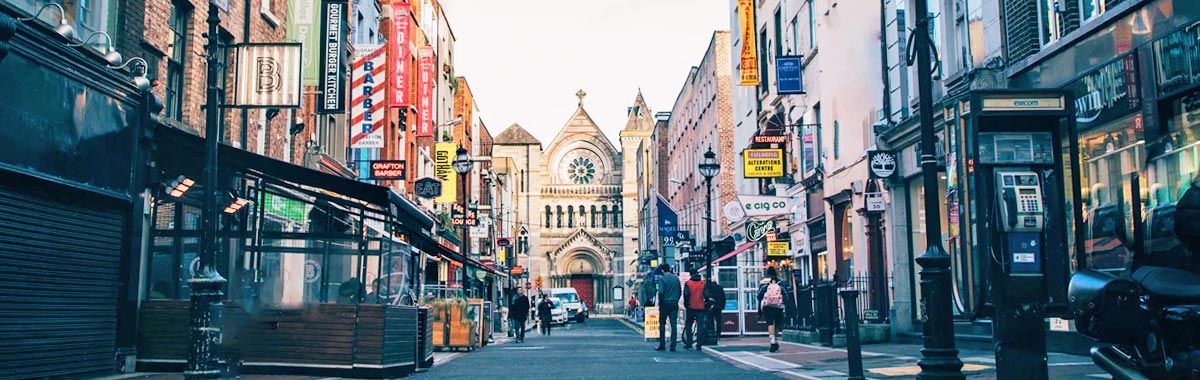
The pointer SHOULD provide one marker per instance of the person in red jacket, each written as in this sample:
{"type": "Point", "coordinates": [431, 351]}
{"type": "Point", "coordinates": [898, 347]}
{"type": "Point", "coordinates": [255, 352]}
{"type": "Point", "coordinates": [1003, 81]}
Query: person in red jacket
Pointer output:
{"type": "Point", "coordinates": [693, 301]}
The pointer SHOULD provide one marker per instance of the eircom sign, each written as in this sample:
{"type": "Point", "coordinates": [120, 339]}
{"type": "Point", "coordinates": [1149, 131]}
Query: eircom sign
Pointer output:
{"type": "Point", "coordinates": [755, 205]}
{"type": "Point", "coordinates": [763, 163]}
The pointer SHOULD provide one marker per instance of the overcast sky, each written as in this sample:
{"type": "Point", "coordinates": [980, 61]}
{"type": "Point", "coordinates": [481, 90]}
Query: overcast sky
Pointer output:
{"type": "Point", "coordinates": [525, 59]}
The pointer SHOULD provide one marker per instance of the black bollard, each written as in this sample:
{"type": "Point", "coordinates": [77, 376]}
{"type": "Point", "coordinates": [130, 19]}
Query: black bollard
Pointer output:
{"type": "Point", "coordinates": [853, 343]}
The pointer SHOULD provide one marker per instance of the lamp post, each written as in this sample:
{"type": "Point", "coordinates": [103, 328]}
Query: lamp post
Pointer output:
{"type": "Point", "coordinates": [205, 330]}
{"type": "Point", "coordinates": [709, 167]}
{"type": "Point", "coordinates": [939, 358]}
{"type": "Point", "coordinates": [462, 164]}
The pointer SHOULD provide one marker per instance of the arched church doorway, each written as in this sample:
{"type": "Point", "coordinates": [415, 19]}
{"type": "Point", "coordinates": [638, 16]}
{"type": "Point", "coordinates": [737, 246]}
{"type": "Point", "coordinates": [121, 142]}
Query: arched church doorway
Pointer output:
{"type": "Point", "coordinates": [582, 273]}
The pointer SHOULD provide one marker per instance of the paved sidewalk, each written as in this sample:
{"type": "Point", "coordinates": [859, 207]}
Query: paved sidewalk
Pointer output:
{"type": "Point", "coordinates": [880, 361]}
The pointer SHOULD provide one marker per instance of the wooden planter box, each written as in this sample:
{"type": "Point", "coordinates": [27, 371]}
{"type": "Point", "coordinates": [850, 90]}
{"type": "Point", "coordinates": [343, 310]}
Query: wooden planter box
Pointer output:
{"type": "Point", "coordinates": [369, 341]}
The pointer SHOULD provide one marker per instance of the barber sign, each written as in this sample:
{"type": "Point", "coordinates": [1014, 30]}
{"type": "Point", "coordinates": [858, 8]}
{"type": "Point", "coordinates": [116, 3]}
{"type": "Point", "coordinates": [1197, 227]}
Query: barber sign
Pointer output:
{"type": "Point", "coordinates": [367, 108]}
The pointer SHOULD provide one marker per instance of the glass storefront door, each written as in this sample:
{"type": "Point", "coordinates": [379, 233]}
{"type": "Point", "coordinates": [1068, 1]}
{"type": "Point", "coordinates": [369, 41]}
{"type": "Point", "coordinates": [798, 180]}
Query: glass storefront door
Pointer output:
{"type": "Point", "coordinates": [1113, 158]}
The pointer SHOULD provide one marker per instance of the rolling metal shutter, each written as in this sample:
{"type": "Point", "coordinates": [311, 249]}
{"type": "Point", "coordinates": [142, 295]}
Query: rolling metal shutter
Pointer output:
{"type": "Point", "coordinates": [59, 268]}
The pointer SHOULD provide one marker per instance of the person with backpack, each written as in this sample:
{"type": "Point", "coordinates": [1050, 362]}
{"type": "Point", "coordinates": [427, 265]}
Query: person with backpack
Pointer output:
{"type": "Point", "coordinates": [770, 304]}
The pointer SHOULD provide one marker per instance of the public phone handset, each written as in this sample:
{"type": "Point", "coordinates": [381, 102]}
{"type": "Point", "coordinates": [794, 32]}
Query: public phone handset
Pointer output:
{"type": "Point", "coordinates": [1021, 199]}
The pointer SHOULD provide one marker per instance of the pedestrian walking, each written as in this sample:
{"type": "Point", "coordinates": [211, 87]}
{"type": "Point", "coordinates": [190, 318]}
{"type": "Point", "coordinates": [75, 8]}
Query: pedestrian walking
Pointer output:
{"type": "Point", "coordinates": [693, 317]}
{"type": "Point", "coordinates": [714, 302]}
{"type": "Point", "coordinates": [631, 308]}
{"type": "Point", "coordinates": [545, 309]}
{"type": "Point", "coordinates": [669, 291]}
{"type": "Point", "coordinates": [518, 312]}
{"type": "Point", "coordinates": [770, 300]}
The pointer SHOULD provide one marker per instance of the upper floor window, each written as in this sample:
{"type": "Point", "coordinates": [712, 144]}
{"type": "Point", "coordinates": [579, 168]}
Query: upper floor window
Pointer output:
{"type": "Point", "coordinates": [1050, 20]}
{"type": "Point", "coordinates": [176, 54]}
{"type": "Point", "coordinates": [1092, 8]}
{"type": "Point", "coordinates": [812, 25]}
{"type": "Point", "coordinates": [86, 16]}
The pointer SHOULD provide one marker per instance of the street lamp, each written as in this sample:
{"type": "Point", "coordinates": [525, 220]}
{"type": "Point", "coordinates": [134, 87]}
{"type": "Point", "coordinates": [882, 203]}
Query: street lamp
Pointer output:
{"type": "Point", "coordinates": [462, 164]}
{"type": "Point", "coordinates": [206, 284]}
{"type": "Point", "coordinates": [709, 167]}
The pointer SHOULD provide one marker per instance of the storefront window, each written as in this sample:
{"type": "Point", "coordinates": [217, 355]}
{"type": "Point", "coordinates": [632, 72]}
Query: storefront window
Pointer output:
{"type": "Point", "coordinates": [1169, 173]}
{"type": "Point", "coordinates": [1112, 156]}
{"type": "Point", "coordinates": [916, 202]}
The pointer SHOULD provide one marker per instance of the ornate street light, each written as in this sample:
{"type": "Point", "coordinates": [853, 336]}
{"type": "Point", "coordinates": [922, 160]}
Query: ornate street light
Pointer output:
{"type": "Point", "coordinates": [463, 164]}
{"type": "Point", "coordinates": [709, 167]}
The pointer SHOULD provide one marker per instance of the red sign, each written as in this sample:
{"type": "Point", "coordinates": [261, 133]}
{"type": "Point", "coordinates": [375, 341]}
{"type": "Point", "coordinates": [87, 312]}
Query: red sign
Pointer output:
{"type": "Point", "coordinates": [771, 236]}
{"type": "Point", "coordinates": [528, 285]}
{"type": "Point", "coordinates": [461, 216]}
{"type": "Point", "coordinates": [387, 169]}
{"type": "Point", "coordinates": [517, 271]}
{"type": "Point", "coordinates": [425, 58]}
{"type": "Point", "coordinates": [398, 54]}
{"type": "Point", "coordinates": [771, 139]}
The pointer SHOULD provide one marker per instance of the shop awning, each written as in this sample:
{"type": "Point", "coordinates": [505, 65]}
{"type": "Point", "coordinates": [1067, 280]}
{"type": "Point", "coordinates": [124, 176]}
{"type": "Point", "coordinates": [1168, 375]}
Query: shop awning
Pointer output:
{"type": "Point", "coordinates": [733, 253]}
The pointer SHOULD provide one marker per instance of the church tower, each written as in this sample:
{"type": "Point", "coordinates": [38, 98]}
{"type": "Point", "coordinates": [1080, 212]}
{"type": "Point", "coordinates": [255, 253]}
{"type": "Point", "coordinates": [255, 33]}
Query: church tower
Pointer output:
{"type": "Point", "coordinates": [637, 159]}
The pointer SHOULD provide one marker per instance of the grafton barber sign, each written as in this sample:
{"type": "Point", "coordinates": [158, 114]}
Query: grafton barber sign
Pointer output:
{"type": "Point", "coordinates": [388, 169]}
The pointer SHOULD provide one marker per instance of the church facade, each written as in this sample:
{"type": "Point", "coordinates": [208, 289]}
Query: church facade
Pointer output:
{"type": "Point", "coordinates": [573, 202]}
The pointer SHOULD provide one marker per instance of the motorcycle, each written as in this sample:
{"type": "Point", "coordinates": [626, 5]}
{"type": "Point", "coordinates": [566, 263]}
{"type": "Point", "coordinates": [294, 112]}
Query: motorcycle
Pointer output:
{"type": "Point", "coordinates": [1147, 323]}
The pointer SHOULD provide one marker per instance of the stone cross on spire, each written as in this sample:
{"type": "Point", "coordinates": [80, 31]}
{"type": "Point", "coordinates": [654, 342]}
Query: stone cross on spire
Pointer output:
{"type": "Point", "coordinates": [580, 94]}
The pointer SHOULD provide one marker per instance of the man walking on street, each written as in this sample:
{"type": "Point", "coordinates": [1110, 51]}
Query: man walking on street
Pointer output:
{"type": "Point", "coordinates": [714, 301]}
{"type": "Point", "coordinates": [544, 309]}
{"type": "Point", "coordinates": [518, 312]}
{"type": "Point", "coordinates": [668, 304]}
{"type": "Point", "coordinates": [693, 317]}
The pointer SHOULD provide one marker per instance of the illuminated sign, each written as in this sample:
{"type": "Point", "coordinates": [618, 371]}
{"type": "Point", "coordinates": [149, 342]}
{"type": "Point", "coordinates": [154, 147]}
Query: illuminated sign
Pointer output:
{"type": "Point", "coordinates": [388, 169]}
{"type": "Point", "coordinates": [771, 139]}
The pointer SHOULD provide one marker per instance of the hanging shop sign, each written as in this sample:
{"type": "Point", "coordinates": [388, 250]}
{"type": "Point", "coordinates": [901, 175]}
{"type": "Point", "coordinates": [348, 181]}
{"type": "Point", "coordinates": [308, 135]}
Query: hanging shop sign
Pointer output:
{"type": "Point", "coordinates": [367, 111]}
{"type": "Point", "coordinates": [759, 205]}
{"type": "Point", "coordinates": [771, 236]}
{"type": "Point", "coordinates": [1107, 93]}
{"type": "Point", "coordinates": [425, 58]}
{"type": "Point", "coordinates": [778, 249]}
{"type": "Point", "coordinates": [333, 73]}
{"type": "Point", "coordinates": [875, 202]}
{"type": "Point", "coordinates": [883, 163]}
{"type": "Point", "coordinates": [684, 238]}
{"type": "Point", "coordinates": [464, 217]}
{"type": "Point", "coordinates": [733, 212]}
{"type": "Point", "coordinates": [388, 170]}
{"type": "Point", "coordinates": [763, 163]}
{"type": "Point", "coordinates": [749, 53]}
{"type": "Point", "coordinates": [517, 271]}
{"type": "Point", "coordinates": [427, 188]}
{"type": "Point", "coordinates": [668, 222]}
{"type": "Point", "coordinates": [398, 55]}
{"type": "Point", "coordinates": [268, 75]}
{"type": "Point", "coordinates": [443, 169]}
{"type": "Point", "coordinates": [302, 26]}
{"type": "Point", "coordinates": [503, 242]}
{"type": "Point", "coordinates": [756, 230]}
{"type": "Point", "coordinates": [808, 149]}
{"type": "Point", "coordinates": [1177, 60]}
{"type": "Point", "coordinates": [789, 75]}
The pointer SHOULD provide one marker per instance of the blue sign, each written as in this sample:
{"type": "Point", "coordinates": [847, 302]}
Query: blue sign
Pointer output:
{"type": "Point", "coordinates": [789, 74]}
{"type": "Point", "coordinates": [668, 223]}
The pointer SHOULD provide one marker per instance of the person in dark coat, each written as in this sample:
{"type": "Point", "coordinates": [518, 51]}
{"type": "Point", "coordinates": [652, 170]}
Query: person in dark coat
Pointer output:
{"type": "Point", "coordinates": [545, 308]}
{"type": "Point", "coordinates": [669, 292]}
{"type": "Point", "coordinates": [518, 312]}
{"type": "Point", "coordinates": [1187, 229]}
{"type": "Point", "coordinates": [714, 301]}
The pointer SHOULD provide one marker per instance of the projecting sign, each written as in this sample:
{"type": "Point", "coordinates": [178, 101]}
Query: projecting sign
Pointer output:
{"type": "Point", "coordinates": [778, 248]}
{"type": "Point", "coordinates": [789, 75]}
{"type": "Point", "coordinates": [749, 54]}
{"type": "Point", "coordinates": [771, 139]}
{"type": "Point", "coordinates": [368, 94]}
{"type": "Point", "coordinates": [882, 163]}
{"type": "Point", "coordinates": [755, 231]}
{"type": "Point", "coordinates": [875, 202]}
{"type": "Point", "coordinates": [393, 169]}
{"type": "Point", "coordinates": [462, 216]}
{"type": "Point", "coordinates": [398, 54]}
{"type": "Point", "coordinates": [427, 188]}
{"type": "Point", "coordinates": [734, 212]}
{"type": "Point", "coordinates": [668, 222]}
{"type": "Point", "coordinates": [503, 242]}
{"type": "Point", "coordinates": [425, 82]}
{"type": "Point", "coordinates": [763, 163]}
{"type": "Point", "coordinates": [333, 72]}
{"type": "Point", "coordinates": [443, 169]}
{"type": "Point", "coordinates": [757, 205]}
{"type": "Point", "coordinates": [268, 75]}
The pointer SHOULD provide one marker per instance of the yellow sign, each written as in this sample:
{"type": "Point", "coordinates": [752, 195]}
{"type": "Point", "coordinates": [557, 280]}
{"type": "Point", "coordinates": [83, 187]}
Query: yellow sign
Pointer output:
{"type": "Point", "coordinates": [651, 330]}
{"type": "Point", "coordinates": [443, 169]}
{"type": "Point", "coordinates": [778, 248]}
{"type": "Point", "coordinates": [501, 255]}
{"type": "Point", "coordinates": [749, 61]}
{"type": "Point", "coordinates": [763, 163]}
{"type": "Point", "coordinates": [1018, 104]}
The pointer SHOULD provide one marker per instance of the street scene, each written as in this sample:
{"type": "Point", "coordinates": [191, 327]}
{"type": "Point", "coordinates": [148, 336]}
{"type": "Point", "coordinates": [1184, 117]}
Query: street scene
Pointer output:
{"type": "Point", "coordinates": [626, 189]}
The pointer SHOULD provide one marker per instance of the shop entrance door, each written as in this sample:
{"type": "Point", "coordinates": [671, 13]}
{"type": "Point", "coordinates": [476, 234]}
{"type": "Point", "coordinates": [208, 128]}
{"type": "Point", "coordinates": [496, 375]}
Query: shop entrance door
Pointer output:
{"type": "Point", "coordinates": [585, 286]}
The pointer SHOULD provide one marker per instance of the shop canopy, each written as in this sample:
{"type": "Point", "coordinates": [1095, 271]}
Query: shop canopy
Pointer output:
{"type": "Point", "coordinates": [733, 253]}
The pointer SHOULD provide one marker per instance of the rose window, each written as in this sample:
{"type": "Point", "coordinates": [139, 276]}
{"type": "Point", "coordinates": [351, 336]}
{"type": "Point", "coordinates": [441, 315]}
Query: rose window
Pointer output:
{"type": "Point", "coordinates": [581, 171]}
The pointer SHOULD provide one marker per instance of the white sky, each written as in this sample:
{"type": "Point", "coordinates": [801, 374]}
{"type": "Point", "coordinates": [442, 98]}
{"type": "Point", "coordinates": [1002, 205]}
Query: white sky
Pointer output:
{"type": "Point", "coordinates": [525, 59]}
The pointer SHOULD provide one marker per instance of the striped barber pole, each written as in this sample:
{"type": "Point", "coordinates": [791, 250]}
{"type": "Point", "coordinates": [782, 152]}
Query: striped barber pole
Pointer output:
{"type": "Point", "coordinates": [369, 89]}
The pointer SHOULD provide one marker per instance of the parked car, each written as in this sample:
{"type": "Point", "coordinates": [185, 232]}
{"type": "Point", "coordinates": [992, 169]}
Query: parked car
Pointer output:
{"type": "Point", "coordinates": [577, 310]}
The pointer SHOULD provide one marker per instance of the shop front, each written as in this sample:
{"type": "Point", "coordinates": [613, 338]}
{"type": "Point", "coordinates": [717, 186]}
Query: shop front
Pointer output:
{"type": "Point", "coordinates": [323, 271]}
{"type": "Point", "coordinates": [69, 205]}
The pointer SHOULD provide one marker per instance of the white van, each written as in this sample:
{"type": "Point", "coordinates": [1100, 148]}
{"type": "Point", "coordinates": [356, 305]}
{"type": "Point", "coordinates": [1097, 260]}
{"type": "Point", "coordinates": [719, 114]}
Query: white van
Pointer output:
{"type": "Point", "coordinates": [576, 308]}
